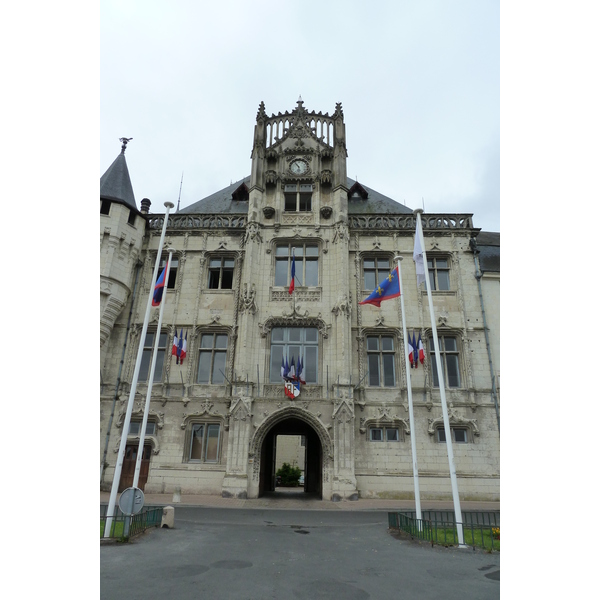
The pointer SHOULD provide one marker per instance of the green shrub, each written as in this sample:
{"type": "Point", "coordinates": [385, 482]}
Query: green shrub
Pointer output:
{"type": "Point", "coordinates": [289, 475]}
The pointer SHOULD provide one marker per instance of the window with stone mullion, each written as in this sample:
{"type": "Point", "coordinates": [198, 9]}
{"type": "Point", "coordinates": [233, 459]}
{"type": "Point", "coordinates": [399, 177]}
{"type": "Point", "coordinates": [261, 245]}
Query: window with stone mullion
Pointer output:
{"type": "Point", "coordinates": [380, 359]}
{"type": "Point", "coordinates": [307, 264]}
{"type": "Point", "coordinates": [449, 356]}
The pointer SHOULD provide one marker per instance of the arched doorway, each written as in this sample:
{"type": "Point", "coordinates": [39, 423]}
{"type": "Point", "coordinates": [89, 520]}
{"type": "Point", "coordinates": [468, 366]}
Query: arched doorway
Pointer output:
{"type": "Point", "coordinates": [295, 422]}
{"type": "Point", "coordinates": [313, 458]}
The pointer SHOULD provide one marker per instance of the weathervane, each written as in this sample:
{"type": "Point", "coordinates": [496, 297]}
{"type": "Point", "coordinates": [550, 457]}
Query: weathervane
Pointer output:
{"type": "Point", "coordinates": [124, 146]}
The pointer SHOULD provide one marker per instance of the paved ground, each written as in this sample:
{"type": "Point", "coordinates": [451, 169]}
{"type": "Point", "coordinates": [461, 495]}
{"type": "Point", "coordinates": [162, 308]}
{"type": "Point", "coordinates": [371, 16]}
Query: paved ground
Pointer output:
{"type": "Point", "coordinates": [292, 498]}
{"type": "Point", "coordinates": [303, 554]}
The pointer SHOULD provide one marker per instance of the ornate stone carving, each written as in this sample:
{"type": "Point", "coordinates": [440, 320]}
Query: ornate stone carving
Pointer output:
{"type": "Point", "coordinates": [326, 211]}
{"type": "Point", "coordinates": [342, 306]}
{"type": "Point", "coordinates": [206, 408]}
{"type": "Point", "coordinates": [268, 211]}
{"type": "Point", "coordinates": [384, 416]}
{"type": "Point", "coordinates": [252, 233]}
{"type": "Point", "coordinates": [341, 233]}
{"type": "Point", "coordinates": [455, 419]}
{"type": "Point", "coordinates": [248, 300]}
{"type": "Point", "coordinates": [307, 295]}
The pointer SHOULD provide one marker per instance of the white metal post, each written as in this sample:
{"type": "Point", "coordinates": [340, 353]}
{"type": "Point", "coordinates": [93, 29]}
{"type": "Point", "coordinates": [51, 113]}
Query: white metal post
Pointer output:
{"type": "Point", "coordinates": [119, 466]}
{"type": "Point", "coordinates": [457, 511]}
{"type": "Point", "coordinates": [138, 462]}
{"type": "Point", "coordinates": [413, 441]}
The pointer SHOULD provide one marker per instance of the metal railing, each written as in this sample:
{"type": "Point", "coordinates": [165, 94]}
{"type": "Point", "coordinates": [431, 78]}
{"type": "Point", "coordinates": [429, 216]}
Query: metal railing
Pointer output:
{"type": "Point", "coordinates": [148, 517]}
{"type": "Point", "coordinates": [480, 529]}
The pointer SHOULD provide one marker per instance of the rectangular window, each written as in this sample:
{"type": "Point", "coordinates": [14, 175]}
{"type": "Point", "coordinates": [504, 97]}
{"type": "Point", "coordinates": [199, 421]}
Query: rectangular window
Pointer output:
{"type": "Point", "coordinates": [295, 342]}
{"type": "Point", "coordinates": [172, 271]}
{"type": "Point", "coordinates": [450, 362]}
{"type": "Point", "coordinates": [131, 218]}
{"type": "Point", "coordinates": [147, 356]}
{"type": "Point", "coordinates": [381, 434]}
{"type": "Point", "coordinates": [136, 426]}
{"type": "Point", "coordinates": [104, 207]}
{"type": "Point", "coordinates": [212, 358]}
{"type": "Point", "coordinates": [220, 273]}
{"type": "Point", "coordinates": [459, 435]}
{"type": "Point", "coordinates": [439, 273]}
{"type": "Point", "coordinates": [374, 270]}
{"type": "Point", "coordinates": [307, 264]}
{"type": "Point", "coordinates": [204, 442]}
{"type": "Point", "coordinates": [380, 360]}
{"type": "Point", "coordinates": [298, 197]}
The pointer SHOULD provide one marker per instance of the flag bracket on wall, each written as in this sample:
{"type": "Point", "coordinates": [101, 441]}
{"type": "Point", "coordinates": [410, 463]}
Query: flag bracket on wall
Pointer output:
{"type": "Point", "coordinates": [293, 376]}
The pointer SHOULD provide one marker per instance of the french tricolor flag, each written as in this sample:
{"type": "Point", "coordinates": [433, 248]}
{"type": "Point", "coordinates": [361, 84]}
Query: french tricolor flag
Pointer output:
{"type": "Point", "coordinates": [411, 352]}
{"type": "Point", "coordinates": [175, 344]}
{"type": "Point", "coordinates": [414, 345]}
{"type": "Point", "coordinates": [183, 349]}
{"type": "Point", "coordinates": [420, 349]}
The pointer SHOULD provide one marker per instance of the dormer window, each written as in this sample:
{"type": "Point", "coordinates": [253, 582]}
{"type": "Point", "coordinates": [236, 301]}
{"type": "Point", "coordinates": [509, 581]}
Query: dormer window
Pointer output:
{"type": "Point", "coordinates": [357, 192]}
{"type": "Point", "coordinates": [241, 194]}
{"type": "Point", "coordinates": [298, 197]}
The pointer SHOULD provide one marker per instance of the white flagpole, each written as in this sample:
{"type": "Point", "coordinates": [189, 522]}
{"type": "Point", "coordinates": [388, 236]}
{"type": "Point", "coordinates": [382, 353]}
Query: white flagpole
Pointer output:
{"type": "Point", "coordinates": [138, 462]}
{"type": "Point", "coordinates": [438, 364]}
{"type": "Point", "coordinates": [136, 372]}
{"type": "Point", "coordinates": [413, 441]}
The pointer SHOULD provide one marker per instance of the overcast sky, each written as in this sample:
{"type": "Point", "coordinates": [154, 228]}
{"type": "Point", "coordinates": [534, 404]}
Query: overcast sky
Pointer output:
{"type": "Point", "coordinates": [419, 83]}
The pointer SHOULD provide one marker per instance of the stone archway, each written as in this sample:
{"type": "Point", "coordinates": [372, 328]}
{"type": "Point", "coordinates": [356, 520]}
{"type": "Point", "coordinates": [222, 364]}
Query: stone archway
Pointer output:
{"type": "Point", "coordinates": [291, 420]}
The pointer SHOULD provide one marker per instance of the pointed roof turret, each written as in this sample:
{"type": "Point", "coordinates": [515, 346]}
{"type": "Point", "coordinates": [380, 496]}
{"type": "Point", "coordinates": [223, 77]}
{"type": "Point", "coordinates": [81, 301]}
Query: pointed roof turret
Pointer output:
{"type": "Point", "coordinates": [115, 184]}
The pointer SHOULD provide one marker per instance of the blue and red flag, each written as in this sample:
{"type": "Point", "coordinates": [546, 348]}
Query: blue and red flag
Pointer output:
{"type": "Point", "coordinates": [388, 288]}
{"type": "Point", "coordinates": [293, 274]}
{"type": "Point", "coordinates": [420, 349]}
{"type": "Point", "coordinates": [414, 345]}
{"type": "Point", "coordinates": [180, 348]}
{"type": "Point", "coordinates": [159, 287]}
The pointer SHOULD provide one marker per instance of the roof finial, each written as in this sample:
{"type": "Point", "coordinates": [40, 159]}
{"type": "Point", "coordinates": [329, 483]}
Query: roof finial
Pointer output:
{"type": "Point", "coordinates": [300, 101]}
{"type": "Point", "coordinates": [124, 146]}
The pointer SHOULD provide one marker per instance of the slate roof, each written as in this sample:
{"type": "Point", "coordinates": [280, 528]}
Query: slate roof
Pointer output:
{"type": "Point", "coordinates": [115, 184]}
{"type": "Point", "coordinates": [222, 202]}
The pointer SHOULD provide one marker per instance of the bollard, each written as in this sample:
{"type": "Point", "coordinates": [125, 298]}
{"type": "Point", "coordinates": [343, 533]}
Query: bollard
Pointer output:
{"type": "Point", "coordinates": [168, 517]}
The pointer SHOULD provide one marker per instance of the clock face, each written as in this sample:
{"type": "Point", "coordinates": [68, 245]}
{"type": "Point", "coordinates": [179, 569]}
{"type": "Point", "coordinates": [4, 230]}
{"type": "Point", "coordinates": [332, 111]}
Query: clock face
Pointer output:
{"type": "Point", "coordinates": [298, 167]}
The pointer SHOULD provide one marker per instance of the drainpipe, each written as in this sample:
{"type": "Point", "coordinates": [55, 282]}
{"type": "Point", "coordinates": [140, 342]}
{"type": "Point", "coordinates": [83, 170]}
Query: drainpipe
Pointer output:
{"type": "Point", "coordinates": [112, 412]}
{"type": "Point", "coordinates": [478, 276]}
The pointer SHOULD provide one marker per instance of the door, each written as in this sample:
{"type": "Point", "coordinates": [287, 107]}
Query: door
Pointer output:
{"type": "Point", "coordinates": [128, 470]}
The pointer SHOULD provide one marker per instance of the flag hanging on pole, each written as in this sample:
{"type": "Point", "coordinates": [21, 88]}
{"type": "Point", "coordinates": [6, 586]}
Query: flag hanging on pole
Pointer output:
{"type": "Point", "coordinates": [293, 274]}
{"type": "Point", "coordinates": [420, 349]}
{"type": "Point", "coordinates": [418, 258]}
{"type": "Point", "coordinates": [282, 367]}
{"type": "Point", "coordinates": [411, 351]}
{"type": "Point", "coordinates": [179, 347]}
{"type": "Point", "coordinates": [414, 345]}
{"type": "Point", "coordinates": [388, 288]}
{"type": "Point", "coordinates": [175, 344]}
{"type": "Point", "coordinates": [159, 287]}
{"type": "Point", "coordinates": [183, 349]}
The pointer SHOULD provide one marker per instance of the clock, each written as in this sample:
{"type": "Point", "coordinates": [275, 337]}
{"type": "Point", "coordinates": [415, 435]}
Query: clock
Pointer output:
{"type": "Point", "coordinates": [298, 167]}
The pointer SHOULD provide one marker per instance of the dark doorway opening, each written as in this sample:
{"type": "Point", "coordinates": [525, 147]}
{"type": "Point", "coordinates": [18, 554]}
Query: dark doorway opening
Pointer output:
{"type": "Point", "coordinates": [313, 460]}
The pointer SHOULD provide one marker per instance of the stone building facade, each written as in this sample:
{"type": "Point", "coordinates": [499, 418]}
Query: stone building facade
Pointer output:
{"type": "Point", "coordinates": [215, 418]}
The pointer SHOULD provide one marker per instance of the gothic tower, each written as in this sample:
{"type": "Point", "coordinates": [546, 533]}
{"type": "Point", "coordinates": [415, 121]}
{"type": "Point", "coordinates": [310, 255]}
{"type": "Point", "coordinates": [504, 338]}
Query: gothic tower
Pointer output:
{"type": "Point", "coordinates": [122, 228]}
